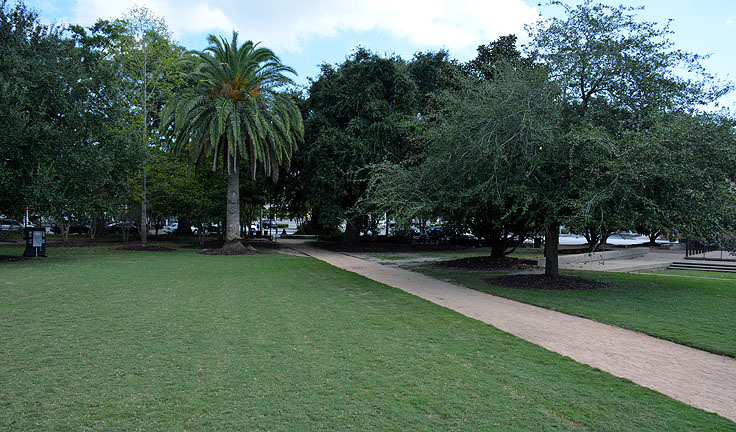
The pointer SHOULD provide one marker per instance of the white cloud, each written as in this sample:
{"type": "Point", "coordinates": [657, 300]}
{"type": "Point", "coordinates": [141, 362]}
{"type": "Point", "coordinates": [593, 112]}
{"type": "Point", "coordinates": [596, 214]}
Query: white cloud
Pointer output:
{"type": "Point", "coordinates": [429, 23]}
{"type": "Point", "coordinates": [181, 16]}
{"type": "Point", "coordinates": [731, 20]}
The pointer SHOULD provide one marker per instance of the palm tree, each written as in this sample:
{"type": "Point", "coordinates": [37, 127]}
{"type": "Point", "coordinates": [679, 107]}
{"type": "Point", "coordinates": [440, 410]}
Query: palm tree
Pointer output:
{"type": "Point", "coordinates": [234, 109]}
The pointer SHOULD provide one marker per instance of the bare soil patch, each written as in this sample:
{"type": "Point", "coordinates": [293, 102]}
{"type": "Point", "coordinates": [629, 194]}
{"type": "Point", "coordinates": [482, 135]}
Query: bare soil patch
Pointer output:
{"type": "Point", "coordinates": [147, 248]}
{"type": "Point", "coordinates": [380, 247]}
{"type": "Point", "coordinates": [542, 282]}
{"type": "Point", "coordinates": [218, 244]}
{"type": "Point", "coordinates": [81, 243]}
{"type": "Point", "coordinates": [11, 258]}
{"type": "Point", "coordinates": [221, 251]}
{"type": "Point", "coordinates": [488, 263]}
{"type": "Point", "coordinates": [207, 244]}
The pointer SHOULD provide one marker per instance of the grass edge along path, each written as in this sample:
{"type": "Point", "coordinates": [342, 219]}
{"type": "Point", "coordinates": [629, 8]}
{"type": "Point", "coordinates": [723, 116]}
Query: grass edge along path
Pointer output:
{"type": "Point", "coordinates": [692, 311]}
{"type": "Point", "coordinates": [101, 339]}
{"type": "Point", "coordinates": [696, 377]}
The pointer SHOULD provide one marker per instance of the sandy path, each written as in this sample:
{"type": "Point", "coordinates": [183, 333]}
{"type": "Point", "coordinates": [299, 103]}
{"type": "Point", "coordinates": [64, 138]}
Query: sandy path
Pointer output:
{"type": "Point", "coordinates": [695, 377]}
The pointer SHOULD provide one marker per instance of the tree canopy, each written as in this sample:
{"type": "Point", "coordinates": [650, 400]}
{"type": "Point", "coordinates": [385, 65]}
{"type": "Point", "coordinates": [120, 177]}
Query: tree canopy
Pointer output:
{"type": "Point", "coordinates": [360, 112]}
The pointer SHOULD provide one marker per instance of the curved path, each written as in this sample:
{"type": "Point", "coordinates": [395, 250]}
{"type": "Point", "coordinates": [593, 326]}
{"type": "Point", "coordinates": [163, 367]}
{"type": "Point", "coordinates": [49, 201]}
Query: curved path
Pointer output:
{"type": "Point", "coordinates": [698, 378]}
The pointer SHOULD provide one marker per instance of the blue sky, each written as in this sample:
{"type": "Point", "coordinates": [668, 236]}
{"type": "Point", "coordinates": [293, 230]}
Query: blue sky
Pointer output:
{"type": "Point", "coordinates": [306, 34]}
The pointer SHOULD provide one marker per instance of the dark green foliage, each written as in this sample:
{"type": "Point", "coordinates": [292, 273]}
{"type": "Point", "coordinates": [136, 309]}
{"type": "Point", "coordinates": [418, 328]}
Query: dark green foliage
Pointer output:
{"type": "Point", "coordinates": [64, 151]}
{"type": "Point", "coordinates": [359, 113]}
{"type": "Point", "coordinates": [426, 69]}
{"type": "Point", "coordinates": [479, 155]}
{"type": "Point", "coordinates": [492, 57]}
{"type": "Point", "coordinates": [620, 82]}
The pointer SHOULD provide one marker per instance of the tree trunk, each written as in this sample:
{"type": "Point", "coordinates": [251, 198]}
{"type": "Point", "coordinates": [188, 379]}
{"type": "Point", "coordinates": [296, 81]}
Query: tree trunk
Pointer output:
{"type": "Point", "coordinates": [184, 227]}
{"type": "Point", "coordinates": [497, 242]}
{"type": "Point", "coordinates": [232, 214]}
{"type": "Point", "coordinates": [352, 231]}
{"type": "Point", "coordinates": [143, 231]}
{"type": "Point", "coordinates": [97, 227]}
{"type": "Point", "coordinates": [551, 250]}
{"type": "Point", "coordinates": [64, 228]}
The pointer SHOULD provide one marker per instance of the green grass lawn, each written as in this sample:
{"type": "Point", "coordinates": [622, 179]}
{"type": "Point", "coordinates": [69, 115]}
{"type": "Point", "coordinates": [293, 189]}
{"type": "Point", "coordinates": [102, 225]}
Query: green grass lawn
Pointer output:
{"type": "Point", "coordinates": [700, 274]}
{"type": "Point", "coordinates": [97, 339]}
{"type": "Point", "coordinates": [689, 310]}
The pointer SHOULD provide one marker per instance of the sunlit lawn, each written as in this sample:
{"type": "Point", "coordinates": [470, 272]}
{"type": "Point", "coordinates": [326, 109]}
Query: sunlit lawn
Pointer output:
{"type": "Point", "coordinates": [97, 339]}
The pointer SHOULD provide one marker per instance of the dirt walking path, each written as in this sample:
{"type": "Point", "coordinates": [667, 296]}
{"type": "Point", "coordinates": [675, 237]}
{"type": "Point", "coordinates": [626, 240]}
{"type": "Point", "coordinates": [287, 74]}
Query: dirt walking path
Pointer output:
{"type": "Point", "coordinates": [695, 377]}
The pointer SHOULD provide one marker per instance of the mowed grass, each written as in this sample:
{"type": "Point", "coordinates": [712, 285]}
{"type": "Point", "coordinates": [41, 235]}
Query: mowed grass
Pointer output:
{"type": "Point", "coordinates": [97, 339]}
{"type": "Point", "coordinates": [697, 309]}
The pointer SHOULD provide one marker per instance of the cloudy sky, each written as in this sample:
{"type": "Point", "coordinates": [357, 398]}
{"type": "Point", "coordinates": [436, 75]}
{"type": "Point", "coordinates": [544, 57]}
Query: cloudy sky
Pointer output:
{"type": "Point", "coordinates": [308, 33]}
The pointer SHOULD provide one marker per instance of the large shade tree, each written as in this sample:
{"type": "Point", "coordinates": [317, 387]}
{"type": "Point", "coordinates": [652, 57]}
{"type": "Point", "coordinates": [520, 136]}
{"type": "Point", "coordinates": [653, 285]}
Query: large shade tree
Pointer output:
{"type": "Point", "coordinates": [618, 75]}
{"type": "Point", "coordinates": [360, 112]}
{"type": "Point", "coordinates": [64, 152]}
{"type": "Point", "coordinates": [235, 108]}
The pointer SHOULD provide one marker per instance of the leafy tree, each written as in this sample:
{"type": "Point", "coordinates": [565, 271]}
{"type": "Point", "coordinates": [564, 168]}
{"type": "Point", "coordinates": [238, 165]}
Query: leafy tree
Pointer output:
{"type": "Point", "coordinates": [361, 112]}
{"type": "Point", "coordinates": [144, 49]}
{"type": "Point", "coordinates": [617, 74]}
{"type": "Point", "coordinates": [234, 109]}
{"type": "Point", "coordinates": [61, 106]}
{"type": "Point", "coordinates": [493, 57]}
{"type": "Point", "coordinates": [470, 140]}
{"type": "Point", "coordinates": [483, 149]}
{"type": "Point", "coordinates": [687, 184]}
{"type": "Point", "coordinates": [426, 70]}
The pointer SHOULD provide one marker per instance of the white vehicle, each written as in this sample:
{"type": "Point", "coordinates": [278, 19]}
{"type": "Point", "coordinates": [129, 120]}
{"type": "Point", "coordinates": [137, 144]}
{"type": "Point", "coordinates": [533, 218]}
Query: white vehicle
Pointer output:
{"type": "Point", "coordinates": [170, 228]}
{"type": "Point", "coordinates": [10, 225]}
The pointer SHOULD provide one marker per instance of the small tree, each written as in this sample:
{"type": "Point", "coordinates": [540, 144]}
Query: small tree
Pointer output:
{"type": "Point", "coordinates": [147, 54]}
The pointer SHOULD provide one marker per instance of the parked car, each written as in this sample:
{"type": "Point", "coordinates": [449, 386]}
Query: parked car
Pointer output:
{"type": "Point", "coordinates": [269, 223]}
{"type": "Point", "coordinates": [118, 227]}
{"type": "Point", "coordinates": [74, 229]}
{"type": "Point", "coordinates": [170, 228]}
{"type": "Point", "coordinates": [435, 232]}
{"type": "Point", "coordinates": [413, 232]}
{"type": "Point", "coordinates": [10, 225]}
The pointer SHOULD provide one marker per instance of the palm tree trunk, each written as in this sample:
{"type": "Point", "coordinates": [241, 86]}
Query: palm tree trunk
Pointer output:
{"type": "Point", "coordinates": [232, 213]}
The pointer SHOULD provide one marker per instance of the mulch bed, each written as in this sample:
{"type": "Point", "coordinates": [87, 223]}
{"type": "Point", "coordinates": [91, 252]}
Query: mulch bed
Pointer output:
{"type": "Point", "coordinates": [147, 248]}
{"type": "Point", "coordinates": [207, 244]}
{"type": "Point", "coordinates": [380, 247]}
{"type": "Point", "coordinates": [542, 282]}
{"type": "Point", "coordinates": [218, 244]}
{"type": "Point", "coordinates": [488, 263]}
{"type": "Point", "coordinates": [11, 258]}
{"type": "Point", "coordinates": [223, 252]}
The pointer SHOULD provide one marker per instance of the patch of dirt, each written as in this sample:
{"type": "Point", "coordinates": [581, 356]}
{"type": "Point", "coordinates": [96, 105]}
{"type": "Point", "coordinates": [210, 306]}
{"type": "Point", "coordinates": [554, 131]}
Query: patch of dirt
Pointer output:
{"type": "Point", "coordinates": [218, 244]}
{"type": "Point", "coordinates": [488, 263]}
{"type": "Point", "coordinates": [208, 244]}
{"type": "Point", "coordinates": [542, 282]}
{"type": "Point", "coordinates": [78, 243]}
{"type": "Point", "coordinates": [147, 248]}
{"type": "Point", "coordinates": [220, 251]}
{"type": "Point", "coordinates": [11, 258]}
{"type": "Point", "coordinates": [380, 247]}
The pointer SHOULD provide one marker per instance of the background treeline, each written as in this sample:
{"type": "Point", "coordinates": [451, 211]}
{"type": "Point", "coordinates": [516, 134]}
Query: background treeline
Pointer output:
{"type": "Point", "coordinates": [597, 124]}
